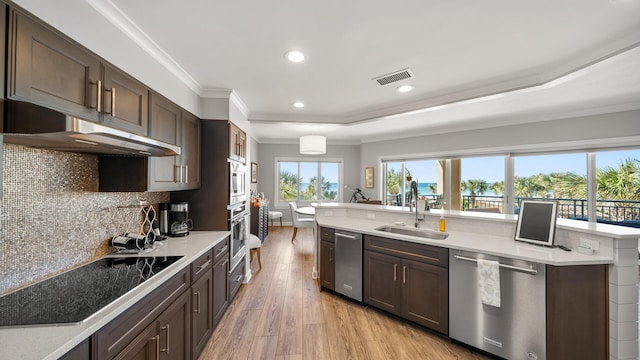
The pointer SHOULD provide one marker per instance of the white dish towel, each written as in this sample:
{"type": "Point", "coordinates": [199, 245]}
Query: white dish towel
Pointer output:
{"type": "Point", "coordinates": [489, 282]}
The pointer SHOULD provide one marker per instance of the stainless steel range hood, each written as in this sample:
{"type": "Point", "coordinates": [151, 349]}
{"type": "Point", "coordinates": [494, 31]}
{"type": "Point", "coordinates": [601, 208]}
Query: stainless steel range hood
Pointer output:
{"type": "Point", "coordinates": [33, 125]}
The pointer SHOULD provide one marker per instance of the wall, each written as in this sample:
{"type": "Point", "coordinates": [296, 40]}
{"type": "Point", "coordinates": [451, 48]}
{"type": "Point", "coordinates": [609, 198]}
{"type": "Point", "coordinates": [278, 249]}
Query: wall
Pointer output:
{"type": "Point", "coordinates": [268, 152]}
{"type": "Point", "coordinates": [589, 132]}
{"type": "Point", "coordinates": [51, 215]}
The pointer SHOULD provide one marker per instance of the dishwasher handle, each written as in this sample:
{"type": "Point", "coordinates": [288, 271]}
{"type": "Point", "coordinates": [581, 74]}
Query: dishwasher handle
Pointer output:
{"type": "Point", "coordinates": [530, 270]}
{"type": "Point", "coordinates": [352, 237]}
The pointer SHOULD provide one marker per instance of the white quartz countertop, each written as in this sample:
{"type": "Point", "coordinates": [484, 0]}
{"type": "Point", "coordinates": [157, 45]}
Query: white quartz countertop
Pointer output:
{"type": "Point", "coordinates": [51, 342]}
{"type": "Point", "coordinates": [467, 241]}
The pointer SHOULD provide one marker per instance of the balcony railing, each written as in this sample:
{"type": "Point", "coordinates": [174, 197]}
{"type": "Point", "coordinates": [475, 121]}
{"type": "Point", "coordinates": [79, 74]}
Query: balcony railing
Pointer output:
{"type": "Point", "coordinates": [618, 212]}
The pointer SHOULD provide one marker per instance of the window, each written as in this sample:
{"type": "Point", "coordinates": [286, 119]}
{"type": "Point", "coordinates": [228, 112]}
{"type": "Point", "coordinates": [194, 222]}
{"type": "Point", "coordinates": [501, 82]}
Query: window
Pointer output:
{"type": "Point", "coordinates": [482, 183]}
{"type": "Point", "coordinates": [397, 183]}
{"type": "Point", "coordinates": [298, 181]}
{"type": "Point", "coordinates": [561, 177]}
{"type": "Point", "coordinates": [618, 187]}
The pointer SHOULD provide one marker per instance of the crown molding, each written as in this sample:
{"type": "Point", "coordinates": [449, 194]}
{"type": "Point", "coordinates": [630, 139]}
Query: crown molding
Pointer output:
{"type": "Point", "coordinates": [120, 20]}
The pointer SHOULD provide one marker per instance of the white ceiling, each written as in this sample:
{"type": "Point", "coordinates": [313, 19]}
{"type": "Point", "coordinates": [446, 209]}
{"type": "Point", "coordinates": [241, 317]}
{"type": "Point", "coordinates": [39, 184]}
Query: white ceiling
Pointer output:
{"type": "Point", "coordinates": [457, 50]}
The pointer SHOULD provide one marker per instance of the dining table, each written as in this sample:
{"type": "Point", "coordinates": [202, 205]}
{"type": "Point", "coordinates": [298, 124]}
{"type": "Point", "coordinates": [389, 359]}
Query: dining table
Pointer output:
{"type": "Point", "coordinates": [306, 211]}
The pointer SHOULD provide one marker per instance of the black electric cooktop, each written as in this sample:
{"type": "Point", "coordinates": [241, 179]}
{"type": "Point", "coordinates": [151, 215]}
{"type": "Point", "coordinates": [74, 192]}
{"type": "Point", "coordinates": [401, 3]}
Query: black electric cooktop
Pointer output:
{"type": "Point", "coordinates": [75, 295]}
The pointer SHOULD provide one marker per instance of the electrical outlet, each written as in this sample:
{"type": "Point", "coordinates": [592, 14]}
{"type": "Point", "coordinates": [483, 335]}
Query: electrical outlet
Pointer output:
{"type": "Point", "coordinates": [590, 244]}
{"type": "Point", "coordinates": [371, 216]}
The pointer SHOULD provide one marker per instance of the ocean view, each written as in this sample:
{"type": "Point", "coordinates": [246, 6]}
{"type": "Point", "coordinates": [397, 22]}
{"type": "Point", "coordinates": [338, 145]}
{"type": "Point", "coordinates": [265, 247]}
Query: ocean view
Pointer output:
{"type": "Point", "coordinates": [423, 189]}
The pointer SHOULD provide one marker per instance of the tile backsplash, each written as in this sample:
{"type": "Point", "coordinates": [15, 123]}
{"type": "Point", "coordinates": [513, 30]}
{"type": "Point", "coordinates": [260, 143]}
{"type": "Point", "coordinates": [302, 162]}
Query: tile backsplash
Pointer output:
{"type": "Point", "coordinates": [52, 216]}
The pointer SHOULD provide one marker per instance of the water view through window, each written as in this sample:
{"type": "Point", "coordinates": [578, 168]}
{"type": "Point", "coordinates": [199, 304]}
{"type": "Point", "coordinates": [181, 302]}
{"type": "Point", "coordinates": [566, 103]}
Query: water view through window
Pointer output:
{"type": "Point", "coordinates": [478, 183]}
{"type": "Point", "coordinates": [298, 181]}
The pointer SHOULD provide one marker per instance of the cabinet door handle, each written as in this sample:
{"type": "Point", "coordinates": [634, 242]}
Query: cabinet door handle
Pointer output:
{"type": "Point", "coordinates": [197, 309]}
{"type": "Point", "coordinates": [113, 102]}
{"type": "Point", "coordinates": [177, 173]}
{"type": "Point", "coordinates": [395, 272]}
{"type": "Point", "coordinates": [166, 328]}
{"type": "Point", "coordinates": [157, 340]}
{"type": "Point", "coordinates": [186, 173]}
{"type": "Point", "coordinates": [330, 255]}
{"type": "Point", "coordinates": [98, 106]}
{"type": "Point", "coordinates": [404, 274]}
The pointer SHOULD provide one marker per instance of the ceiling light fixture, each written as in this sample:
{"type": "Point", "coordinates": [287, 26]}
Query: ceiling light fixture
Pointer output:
{"type": "Point", "coordinates": [298, 104]}
{"type": "Point", "coordinates": [295, 56]}
{"type": "Point", "coordinates": [405, 88]}
{"type": "Point", "coordinates": [313, 145]}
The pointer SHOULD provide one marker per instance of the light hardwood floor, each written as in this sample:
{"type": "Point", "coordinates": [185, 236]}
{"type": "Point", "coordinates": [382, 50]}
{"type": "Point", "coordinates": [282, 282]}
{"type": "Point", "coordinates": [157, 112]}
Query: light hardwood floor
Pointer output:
{"type": "Point", "coordinates": [281, 314]}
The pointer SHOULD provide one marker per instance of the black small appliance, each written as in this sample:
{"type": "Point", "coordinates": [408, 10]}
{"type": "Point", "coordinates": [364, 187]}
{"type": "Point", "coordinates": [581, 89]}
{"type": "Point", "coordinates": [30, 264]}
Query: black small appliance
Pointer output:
{"type": "Point", "coordinates": [179, 222]}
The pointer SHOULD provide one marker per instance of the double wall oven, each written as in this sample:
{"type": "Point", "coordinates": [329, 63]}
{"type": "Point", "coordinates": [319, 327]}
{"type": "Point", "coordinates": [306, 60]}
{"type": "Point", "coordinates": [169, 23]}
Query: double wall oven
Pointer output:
{"type": "Point", "coordinates": [238, 212]}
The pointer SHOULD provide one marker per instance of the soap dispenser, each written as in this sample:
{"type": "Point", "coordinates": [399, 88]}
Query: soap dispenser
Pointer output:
{"type": "Point", "coordinates": [442, 223]}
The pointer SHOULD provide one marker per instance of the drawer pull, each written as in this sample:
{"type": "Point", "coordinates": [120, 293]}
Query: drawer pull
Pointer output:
{"type": "Point", "coordinates": [197, 309]}
{"type": "Point", "coordinates": [203, 266]}
{"type": "Point", "coordinates": [222, 251]}
{"type": "Point", "coordinates": [166, 328]}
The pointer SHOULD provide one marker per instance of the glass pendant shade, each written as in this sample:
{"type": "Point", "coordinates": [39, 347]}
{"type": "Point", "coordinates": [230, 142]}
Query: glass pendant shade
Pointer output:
{"type": "Point", "coordinates": [313, 145]}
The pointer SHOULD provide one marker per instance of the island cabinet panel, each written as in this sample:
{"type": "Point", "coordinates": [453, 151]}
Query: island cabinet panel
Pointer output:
{"type": "Point", "coordinates": [382, 286]}
{"type": "Point", "coordinates": [327, 258]}
{"type": "Point", "coordinates": [327, 265]}
{"type": "Point", "coordinates": [408, 279]}
{"type": "Point", "coordinates": [125, 102]}
{"type": "Point", "coordinates": [116, 335]}
{"type": "Point", "coordinates": [44, 67]}
{"type": "Point", "coordinates": [81, 352]}
{"type": "Point", "coordinates": [577, 312]}
{"type": "Point", "coordinates": [425, 284]}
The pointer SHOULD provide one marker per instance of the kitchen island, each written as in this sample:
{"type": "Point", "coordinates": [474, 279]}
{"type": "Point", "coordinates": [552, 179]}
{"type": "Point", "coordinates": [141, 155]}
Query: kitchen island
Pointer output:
{"type": "Point", "coordinates": [492, 235]}
{"type": "Point", "coordinates": [52, 342]}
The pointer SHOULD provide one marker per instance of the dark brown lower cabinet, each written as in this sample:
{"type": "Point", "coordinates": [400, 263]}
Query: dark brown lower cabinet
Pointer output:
{"type": "Point", "coordinates": [425, 290]}
{"type": "Point", "coordinates": [407, 279]}
{"type": "Point", "coordinates": [382, 287]}
{"type": "Point", "coordinates": [235, 280]}
{"type": "Point", "coordinates": [220, 288]}
{"type": "Point", "coordinates": [327, 265]}
{"type": "Point", "coordinates": [201, 314]}
{"type": "Point", "coordinates": [165, 338]}
{"type": "Point", "coordinates": [577, 312]}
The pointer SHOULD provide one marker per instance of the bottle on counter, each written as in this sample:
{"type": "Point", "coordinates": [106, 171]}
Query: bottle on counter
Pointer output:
{"type": "Point", "coordinates": [442, 224]}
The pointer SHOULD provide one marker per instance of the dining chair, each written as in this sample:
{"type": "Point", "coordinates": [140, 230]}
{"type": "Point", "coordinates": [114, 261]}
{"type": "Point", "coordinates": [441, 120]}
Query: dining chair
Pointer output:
{"type": "Point", "coordinates": [298, 221]}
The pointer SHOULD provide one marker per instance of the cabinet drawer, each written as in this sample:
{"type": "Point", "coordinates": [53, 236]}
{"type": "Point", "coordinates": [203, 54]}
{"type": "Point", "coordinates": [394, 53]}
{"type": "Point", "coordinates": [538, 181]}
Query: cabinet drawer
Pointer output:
{"type": "Point", "coordinates": [201, 266]}
{"type": "Point", "coordinates": [221, 250]}
{"type": "Point", "coordinates": [326, 234]}
{"type": "Point", "coordinates": [408, 250]}
{"type": "Point", "coordinates": [117, 334]}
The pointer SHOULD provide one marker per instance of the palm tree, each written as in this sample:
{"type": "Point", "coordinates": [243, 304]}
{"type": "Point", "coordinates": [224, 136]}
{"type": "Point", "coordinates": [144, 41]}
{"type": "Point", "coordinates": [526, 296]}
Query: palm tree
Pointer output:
{"type": "Point", "coordinates": [568, 185]}
{"type": "Point", "coordinates": [288, 185]}
{"type": "Point", "coordinates": [474, 185]}
{"type": "Point", "coordinates": [621, 183]}
{"type": "Point", "coordinates": [327, 194]}
{"type": "Point", "coordinates": [394, 179]}
{"type": "Point", "coordinates": [497, 187]}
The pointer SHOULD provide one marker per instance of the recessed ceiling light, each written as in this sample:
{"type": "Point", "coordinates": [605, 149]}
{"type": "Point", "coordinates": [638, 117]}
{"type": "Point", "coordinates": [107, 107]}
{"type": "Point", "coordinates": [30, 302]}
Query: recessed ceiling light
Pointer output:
{"type": "Point", "coordinates": [295, 56]}
{"type": "Point", "coordinates": [405, 88]}
{"type": "Point", "coordinates": [298, 104]}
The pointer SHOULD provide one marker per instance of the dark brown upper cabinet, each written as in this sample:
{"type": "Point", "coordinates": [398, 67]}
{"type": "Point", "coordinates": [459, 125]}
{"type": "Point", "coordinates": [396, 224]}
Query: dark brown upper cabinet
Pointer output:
{"type": "Point", "coordinates": [237, 143]}
{"type": "Point", "coordinates": [125, 102]}
{"type": "Point", "coordinates": [47, 68]}
{"type": "Point", "coordinates": [171, 124]}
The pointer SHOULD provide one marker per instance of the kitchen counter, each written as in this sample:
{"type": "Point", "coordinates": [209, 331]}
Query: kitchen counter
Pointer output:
{"type": "Point", "coordinates": [51, 342]}
{"type": "Point", "coordinates": [498, 245]}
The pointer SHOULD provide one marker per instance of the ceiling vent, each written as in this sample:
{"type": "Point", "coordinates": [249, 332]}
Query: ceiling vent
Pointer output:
{"type": "Point", "coordinates": [395, 76]}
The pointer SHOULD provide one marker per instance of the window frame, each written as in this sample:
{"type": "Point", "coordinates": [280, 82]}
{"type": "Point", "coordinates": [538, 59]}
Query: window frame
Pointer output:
{"type": "Point", "coordinates": [319, 161]}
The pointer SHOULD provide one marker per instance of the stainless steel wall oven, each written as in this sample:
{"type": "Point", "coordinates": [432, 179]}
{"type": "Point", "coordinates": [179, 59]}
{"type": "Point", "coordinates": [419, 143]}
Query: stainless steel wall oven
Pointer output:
{"type": "Point", "coordinates": [238, 220]}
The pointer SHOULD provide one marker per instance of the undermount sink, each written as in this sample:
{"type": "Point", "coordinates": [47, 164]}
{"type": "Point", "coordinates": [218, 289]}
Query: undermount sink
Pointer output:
{"type": "Point", "coordinates": [423, 233]}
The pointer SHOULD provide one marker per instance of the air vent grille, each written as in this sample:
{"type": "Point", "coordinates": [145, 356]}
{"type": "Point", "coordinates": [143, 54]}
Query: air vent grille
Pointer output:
{"type": "Point", "coordinates": [394, 77]}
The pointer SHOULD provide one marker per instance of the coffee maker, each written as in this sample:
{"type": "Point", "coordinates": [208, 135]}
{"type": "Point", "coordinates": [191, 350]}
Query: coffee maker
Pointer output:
{"type": "Point", "coordinates": [178, 223]}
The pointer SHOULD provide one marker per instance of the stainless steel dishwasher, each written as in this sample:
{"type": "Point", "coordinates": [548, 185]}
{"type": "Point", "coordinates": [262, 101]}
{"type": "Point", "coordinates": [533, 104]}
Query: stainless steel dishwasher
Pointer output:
{"type": "Point", "coordinates": [348, 264]}
{"type": "Point", "coordinates": [516, 329]}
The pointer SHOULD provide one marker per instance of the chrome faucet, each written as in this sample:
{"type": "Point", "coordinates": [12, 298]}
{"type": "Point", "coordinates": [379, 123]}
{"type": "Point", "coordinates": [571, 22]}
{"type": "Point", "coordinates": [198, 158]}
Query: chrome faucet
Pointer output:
{"type": "Point", "coordinates": [414, 195]}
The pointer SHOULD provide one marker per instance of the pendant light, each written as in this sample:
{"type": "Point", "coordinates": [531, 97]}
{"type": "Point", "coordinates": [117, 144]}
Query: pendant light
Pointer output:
{"type": "Point", "coordinates": [313, 145]}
